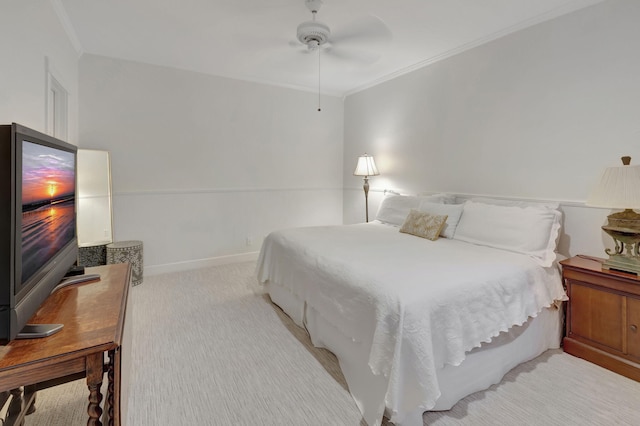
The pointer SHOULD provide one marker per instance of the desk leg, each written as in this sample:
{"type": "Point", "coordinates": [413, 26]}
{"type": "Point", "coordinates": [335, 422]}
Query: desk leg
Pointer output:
{"type": "Point", "coordinates": [95, 363]}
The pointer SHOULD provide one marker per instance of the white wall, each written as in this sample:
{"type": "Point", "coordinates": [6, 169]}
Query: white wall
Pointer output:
{"type": "Point", "coordinates": [200, 163]}
{"type": "Point", "coordinates": [30, 31]}
{"type": "Point", "coordinates": [536, 114]}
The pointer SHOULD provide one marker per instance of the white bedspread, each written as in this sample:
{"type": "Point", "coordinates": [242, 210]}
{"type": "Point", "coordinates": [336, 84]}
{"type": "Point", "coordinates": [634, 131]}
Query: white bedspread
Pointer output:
{"type": "Point", "coordinates": [418, 304]}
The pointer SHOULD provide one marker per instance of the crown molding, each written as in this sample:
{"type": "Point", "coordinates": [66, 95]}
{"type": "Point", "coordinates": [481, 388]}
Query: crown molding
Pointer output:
{"type": "Point", "coordinates": [63, 17]}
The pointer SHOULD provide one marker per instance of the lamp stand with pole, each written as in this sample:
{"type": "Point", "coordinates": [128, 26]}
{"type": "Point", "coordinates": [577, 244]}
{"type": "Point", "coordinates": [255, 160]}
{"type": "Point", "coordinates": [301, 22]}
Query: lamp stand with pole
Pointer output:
{"type": "Point", "coordinates": [366, 167]}
{"type": "Point", "coordinates": [366, 197]}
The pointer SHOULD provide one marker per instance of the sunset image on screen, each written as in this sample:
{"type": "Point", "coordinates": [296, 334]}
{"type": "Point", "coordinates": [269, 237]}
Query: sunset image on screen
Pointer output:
{"type": "Point", "coordinates": [48, 205]}
{"type": "Point", "coordinates": [47, 174]}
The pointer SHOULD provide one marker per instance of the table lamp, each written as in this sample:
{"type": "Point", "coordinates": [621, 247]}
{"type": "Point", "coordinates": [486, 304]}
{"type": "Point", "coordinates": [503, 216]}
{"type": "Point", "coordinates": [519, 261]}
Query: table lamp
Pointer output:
{"type": "Point", "coordinates": [366, 167]}
{"type": "Point", "coordinates": [619, 188]}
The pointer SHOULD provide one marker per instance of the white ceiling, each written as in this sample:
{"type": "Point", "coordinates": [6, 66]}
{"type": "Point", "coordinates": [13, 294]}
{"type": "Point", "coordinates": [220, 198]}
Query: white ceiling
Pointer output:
{"type": "Point", "coordinates": [254, 39]}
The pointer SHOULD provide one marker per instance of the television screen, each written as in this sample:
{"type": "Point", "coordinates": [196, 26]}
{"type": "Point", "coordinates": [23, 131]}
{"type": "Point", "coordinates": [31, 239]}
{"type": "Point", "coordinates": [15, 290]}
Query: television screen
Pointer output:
{"type": "Point", "coordinates": [38, 240]}
{"type": "Point", "coordinates": [48, 206]}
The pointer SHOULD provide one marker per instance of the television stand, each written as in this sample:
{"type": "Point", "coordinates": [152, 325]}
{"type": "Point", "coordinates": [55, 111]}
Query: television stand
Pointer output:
{"type": "Point", "coordinates": [34, 331]}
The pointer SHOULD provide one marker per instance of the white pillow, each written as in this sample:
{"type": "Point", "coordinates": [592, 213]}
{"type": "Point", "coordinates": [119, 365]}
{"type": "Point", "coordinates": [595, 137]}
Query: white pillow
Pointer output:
{"type": "Point", "coordinates": [394, 209]}
{"type": "Point", "coordinates": [528, 230]}
{"type": "Point", "coordinates": [452, 211]}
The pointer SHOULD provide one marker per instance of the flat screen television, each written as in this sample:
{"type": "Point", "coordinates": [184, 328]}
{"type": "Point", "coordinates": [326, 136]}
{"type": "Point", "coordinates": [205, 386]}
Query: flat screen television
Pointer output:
{"type": "Point", "coordinates": [38, 239]}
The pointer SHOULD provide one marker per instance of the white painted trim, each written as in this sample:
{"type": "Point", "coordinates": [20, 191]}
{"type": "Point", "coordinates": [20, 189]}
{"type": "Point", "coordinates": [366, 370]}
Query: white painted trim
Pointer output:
{"type": "Point", "coordinates": [56, 101]}
{"type": "Point", "coordinates": [234, 77]}
{"type": "Point", "coordinates": [568, 203]}
{"type": "Point", "coordinates": [63, 17]}
{"type": "Point", "coordinates": [156, 192]}
{"type": "Point", "coordinates": [568, 7]}
{"type": "Point", "coordinates": [200, 263]}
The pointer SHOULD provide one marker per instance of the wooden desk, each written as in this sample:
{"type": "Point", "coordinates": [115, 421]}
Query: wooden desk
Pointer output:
{"type": "Point", "coordinates": [93, 315]}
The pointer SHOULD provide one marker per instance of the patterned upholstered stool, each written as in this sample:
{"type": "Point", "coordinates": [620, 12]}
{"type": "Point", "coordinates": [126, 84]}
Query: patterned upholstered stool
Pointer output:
{"type": "Point", "coordinates": [92, 255]}
{"type": "Point", "coordinates": [127, 252]}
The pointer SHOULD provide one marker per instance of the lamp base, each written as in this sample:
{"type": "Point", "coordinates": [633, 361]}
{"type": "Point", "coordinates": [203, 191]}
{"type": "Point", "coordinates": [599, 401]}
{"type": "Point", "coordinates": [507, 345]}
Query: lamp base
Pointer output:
{"type": "Point", "coordinates": [623, 263]}
{"type": "Point", "coordinates": [625, 256]}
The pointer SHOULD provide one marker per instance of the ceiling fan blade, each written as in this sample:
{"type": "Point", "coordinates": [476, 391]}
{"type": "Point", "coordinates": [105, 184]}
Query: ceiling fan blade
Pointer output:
{"type": "Point", "coordinates": [367, 29]}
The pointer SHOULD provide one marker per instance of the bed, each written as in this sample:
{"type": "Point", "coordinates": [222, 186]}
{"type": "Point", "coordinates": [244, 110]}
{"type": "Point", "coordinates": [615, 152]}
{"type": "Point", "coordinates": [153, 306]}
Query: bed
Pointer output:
{"type": "Point", "coordinates": [418, 321]}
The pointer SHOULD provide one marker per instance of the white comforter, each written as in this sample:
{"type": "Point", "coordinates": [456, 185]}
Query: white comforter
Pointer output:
{"type": "Point", "coordinates": [418, 304]}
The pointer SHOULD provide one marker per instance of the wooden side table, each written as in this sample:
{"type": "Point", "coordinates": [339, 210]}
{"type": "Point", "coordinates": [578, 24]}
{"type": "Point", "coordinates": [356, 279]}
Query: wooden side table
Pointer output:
{"type": "Point", "coordinates": [93, 315]}
{"type": "Point", "coordinates": [603, 315]}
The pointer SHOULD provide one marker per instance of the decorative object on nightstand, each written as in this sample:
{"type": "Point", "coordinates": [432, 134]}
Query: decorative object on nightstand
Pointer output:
{"type": "Point", "coordinates": [619, 188]}
{"type": "Point", "coordinates": [603, 315]}
{"type": "Point", "coordinates": [366, 167]}
{"type": "Point", "coordinates": [127, 252]}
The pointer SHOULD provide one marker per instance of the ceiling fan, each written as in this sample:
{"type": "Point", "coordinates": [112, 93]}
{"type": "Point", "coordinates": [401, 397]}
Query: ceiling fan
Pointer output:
{"type": "Point", "coordinates": [313, 33]}
{"type": "Point", "coordinates": [316, 36]}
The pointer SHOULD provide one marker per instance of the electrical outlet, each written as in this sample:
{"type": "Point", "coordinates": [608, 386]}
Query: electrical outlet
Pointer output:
{"type": "Point", "coordinates": [249, 241]}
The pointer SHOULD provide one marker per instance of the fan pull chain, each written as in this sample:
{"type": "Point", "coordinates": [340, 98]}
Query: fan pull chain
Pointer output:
{"type": "Point", "coordinates": [319, 109]}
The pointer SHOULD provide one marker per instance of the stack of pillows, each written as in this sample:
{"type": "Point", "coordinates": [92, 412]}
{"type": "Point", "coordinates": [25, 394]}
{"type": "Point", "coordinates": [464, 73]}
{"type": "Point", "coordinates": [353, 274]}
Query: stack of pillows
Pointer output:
{"type": "Point", "coordinates": [530, 228]}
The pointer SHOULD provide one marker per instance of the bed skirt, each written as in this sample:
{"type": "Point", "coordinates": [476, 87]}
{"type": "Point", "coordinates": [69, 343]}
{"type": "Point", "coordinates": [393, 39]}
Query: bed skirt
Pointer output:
{"type": "Point", "coordinates": [482, 367]}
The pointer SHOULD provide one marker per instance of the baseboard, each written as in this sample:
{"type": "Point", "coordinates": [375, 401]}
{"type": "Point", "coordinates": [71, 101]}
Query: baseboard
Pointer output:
{"type": "Point", "coordinates": [200, 263]}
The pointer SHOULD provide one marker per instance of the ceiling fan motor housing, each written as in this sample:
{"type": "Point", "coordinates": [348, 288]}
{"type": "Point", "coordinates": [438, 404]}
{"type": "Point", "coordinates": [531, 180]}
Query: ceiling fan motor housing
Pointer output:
{"type": "Point", "coordinates": [313, 5]}
{"type": "Point", "coordinates": [313, 33]}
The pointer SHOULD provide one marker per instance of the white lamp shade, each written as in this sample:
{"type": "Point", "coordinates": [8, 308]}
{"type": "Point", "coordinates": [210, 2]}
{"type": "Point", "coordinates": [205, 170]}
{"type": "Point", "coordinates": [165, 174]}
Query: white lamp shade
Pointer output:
{"type": "Point", "coordinates": [366, 166]}
{"type": "Point", "coordinates": [619, 188]}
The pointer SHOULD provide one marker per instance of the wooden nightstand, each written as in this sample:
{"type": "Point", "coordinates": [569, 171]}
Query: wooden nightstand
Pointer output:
{"type": "Point", "coordinates": [603, 316]}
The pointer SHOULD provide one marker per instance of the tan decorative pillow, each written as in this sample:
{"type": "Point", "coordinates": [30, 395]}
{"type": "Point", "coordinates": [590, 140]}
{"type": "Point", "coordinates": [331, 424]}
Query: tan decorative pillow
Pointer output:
{"type": "Point", "coordinates": [423, 224]}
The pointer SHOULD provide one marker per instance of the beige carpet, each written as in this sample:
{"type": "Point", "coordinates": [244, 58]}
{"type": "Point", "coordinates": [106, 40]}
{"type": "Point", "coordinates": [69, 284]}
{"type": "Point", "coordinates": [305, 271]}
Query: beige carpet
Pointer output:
{"type": "Point", "coordinates": [209, 350]}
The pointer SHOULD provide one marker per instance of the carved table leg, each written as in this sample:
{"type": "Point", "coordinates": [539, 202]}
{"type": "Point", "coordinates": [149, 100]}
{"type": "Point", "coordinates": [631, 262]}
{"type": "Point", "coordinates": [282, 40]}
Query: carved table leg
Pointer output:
{"type": "Point", "coordinates": [94, 410]}
{"type": "Point", "coordinates": [94, 382]}
{"type": "Point", "coordinates": [111, 385]}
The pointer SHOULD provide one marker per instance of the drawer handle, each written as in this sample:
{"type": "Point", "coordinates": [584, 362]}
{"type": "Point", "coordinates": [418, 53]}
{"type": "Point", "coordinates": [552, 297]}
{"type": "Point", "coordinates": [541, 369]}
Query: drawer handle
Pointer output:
{"type": "Point", "coordinates": [634, 328]}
